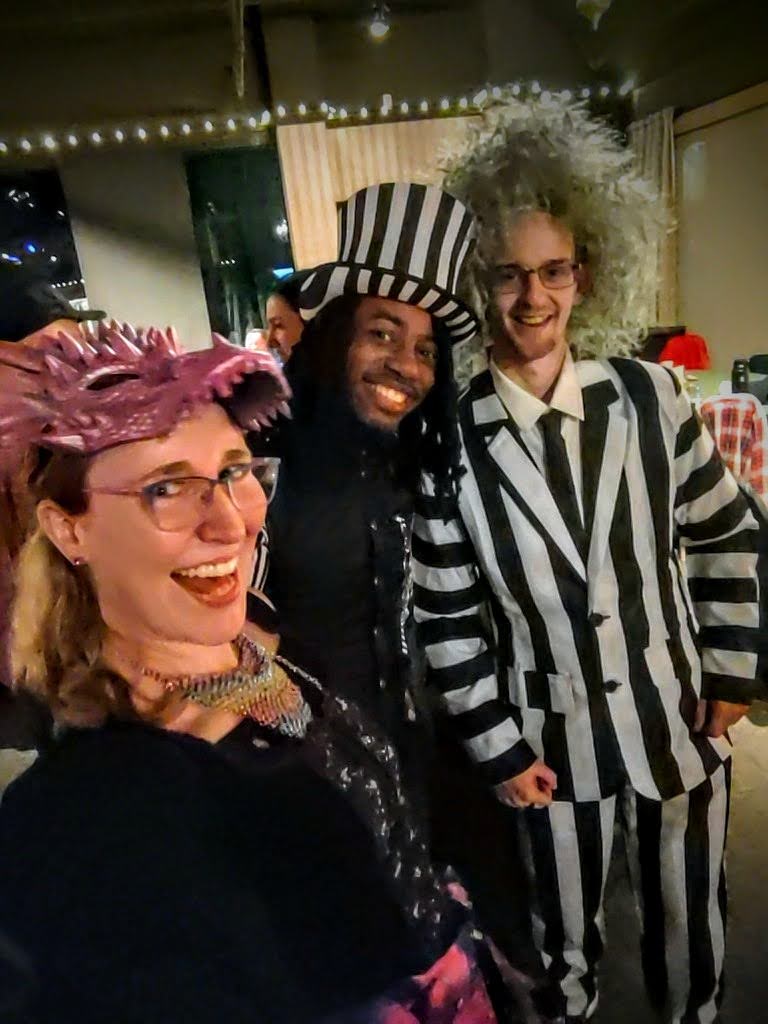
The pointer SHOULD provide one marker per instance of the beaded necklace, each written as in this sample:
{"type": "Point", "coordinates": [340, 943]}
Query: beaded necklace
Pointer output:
{"type": "Point", "coordinates": [258, 688]}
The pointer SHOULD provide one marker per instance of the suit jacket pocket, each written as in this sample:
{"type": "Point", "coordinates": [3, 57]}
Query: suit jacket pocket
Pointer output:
{"type": "Point", "coordinates": [544, 691]}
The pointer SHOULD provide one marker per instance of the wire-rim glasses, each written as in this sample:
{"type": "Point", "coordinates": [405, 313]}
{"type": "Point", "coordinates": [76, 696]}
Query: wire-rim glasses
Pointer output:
{"type": "Point", "coordinates": [511, 278]}
{"type": "Point", "coordinates": [182, 502]}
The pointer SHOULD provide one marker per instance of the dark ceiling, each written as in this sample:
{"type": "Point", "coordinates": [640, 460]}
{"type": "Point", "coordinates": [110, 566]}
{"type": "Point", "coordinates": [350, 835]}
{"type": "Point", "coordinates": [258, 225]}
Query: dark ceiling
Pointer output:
{"type": "Point", "coordinates": [679, 52]}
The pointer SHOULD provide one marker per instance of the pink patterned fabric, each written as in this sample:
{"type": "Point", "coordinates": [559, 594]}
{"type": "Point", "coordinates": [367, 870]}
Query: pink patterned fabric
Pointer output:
{"type": "Point", "coordinates": [737, 424]}
{"type": "Point", "coordinates": [85, 394]}
{"type": "Point", "coordinates": [452, 991]}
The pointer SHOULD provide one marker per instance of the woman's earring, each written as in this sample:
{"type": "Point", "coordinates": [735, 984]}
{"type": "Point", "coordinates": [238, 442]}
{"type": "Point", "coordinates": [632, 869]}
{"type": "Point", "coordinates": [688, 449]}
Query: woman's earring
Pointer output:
{"type": "Point", "coordinates": [78, 561]}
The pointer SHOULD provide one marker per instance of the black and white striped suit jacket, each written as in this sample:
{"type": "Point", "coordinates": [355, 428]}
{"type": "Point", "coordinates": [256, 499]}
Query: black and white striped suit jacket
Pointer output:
{"type": "Point", "coordinates": [595, 665]}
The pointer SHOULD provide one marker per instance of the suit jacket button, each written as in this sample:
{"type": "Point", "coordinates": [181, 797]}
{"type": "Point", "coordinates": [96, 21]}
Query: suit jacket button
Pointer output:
{"type": "Point", "coordinates": [596, 619]}
{"type": "Point", "coordinates": [611, 685]}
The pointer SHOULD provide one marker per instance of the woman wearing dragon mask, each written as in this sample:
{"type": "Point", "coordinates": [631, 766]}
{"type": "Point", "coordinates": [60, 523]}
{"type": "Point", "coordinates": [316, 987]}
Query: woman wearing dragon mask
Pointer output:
{"type": "Point", "coordinates": [211, 838]}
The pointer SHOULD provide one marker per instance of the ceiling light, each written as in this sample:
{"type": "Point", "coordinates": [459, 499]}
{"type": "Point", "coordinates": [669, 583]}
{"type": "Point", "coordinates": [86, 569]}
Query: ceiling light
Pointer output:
{"type": "Point", "coordinates": [281, 111]}
{"type": "Point", "coordinates": [404, 108]}
{"type": "Point", "coordinates": [424, 106]}
{"type": "Point", "coordinates": [379, 23]}
{"type": "Point", "coordinates": [252, 122]}
{"type": "Point", "coordinates": [444, 104]}
{"type": "Point", "coordinates": [605, 90]}
{"type": "Point", "coordinates": [463, 103]}
{"type": "Point", "coordinates": [96, 138]}
{"type": "Point", "coordinates": [119, 135]}
{"type": "Point", "coordinates": [49, 142]}
{"type": "Point", "coordinates": [363, 111]}
{"type": "Point", "coordinates": [535, 88]}
{"type": "Point", "coordinates": [208, 126]}
{"type": "Point", "coordinates": [231, 124]}
{"type": "Point", "coordinates": [515, 89]}
{"type": "Point", "coordinates": [186, 128]}
{"type": "Point", "coordinates": [26, 145]}
{"type": "Point", "coordinates": [496, 92]}
{"type": "Point", "coordinates": [302, 109]}
{"type": "Point", "coordinates": [164, 131]}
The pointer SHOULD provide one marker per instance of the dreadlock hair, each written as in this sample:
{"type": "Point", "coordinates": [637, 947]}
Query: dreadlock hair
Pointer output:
{"type": "Point", "coordinates": [429, 436]}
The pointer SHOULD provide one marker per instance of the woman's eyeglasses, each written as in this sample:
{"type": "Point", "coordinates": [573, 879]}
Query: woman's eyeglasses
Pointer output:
{"type": "Point", "coordinates": [182, 502]}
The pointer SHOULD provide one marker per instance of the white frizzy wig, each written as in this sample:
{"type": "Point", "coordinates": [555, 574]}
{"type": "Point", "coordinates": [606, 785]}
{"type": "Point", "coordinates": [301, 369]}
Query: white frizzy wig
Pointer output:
{"type": "Point", "coordinates": [549, 154]}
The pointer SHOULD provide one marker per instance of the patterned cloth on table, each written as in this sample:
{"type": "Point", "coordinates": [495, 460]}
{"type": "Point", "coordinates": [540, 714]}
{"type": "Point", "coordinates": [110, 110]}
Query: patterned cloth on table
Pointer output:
{"type": "Point", "coordinates": [738, 425]}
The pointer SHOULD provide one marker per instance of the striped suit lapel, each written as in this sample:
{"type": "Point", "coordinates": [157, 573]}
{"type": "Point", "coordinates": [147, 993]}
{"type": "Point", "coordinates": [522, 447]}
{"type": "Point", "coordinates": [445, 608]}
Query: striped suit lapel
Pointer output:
{"type": "Point", "coordinates": [603, 445]}
{"type": "Point", "coordinates": [516, 471]}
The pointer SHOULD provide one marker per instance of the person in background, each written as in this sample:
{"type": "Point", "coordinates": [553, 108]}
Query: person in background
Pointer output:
{"type": "Point", "coordinates": [212, 838]}
{"type": "Point", "coordinates": [555, 607]}
{"type": "Point", "coordinates": [284, 325]}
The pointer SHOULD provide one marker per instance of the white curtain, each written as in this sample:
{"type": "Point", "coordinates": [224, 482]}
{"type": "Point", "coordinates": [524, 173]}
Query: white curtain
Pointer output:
{"type": "Point", "coordinates": [653, 141]}
{"type": "Point", "coordinates": [322, 166]}
{"type": "Point", "coordinates": [308, 189]}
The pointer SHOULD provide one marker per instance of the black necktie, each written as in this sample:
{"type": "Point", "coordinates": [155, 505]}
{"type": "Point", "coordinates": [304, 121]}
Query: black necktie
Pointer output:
{"type": "Point", "coordinates": [560, 478]}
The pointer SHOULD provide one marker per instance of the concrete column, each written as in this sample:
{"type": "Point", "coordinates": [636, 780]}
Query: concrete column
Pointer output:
{"type": "Point", "coordinates": [132, 225]}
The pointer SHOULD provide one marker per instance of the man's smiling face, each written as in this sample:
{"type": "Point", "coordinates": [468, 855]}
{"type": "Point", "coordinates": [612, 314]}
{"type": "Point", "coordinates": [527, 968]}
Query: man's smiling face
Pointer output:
{"type": "Point", "coordinates": [391, 361]}
{"type": "Point", "coordinates": [528, 319]}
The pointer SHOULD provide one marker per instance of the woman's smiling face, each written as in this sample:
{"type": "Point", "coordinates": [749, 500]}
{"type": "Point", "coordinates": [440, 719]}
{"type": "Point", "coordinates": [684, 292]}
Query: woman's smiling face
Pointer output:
{"type": "Point", "coordinates": [181, 585]}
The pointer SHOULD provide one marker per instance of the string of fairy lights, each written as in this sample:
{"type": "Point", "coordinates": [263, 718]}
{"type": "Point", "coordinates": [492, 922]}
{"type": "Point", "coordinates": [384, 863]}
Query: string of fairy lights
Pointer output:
{"type": "Point", "coordinates": [237, 126]}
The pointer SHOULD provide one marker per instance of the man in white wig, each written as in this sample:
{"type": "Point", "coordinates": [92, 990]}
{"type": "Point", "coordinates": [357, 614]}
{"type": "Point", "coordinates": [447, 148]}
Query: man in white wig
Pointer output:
{"type": "Point", "coordinates": [591, 670]}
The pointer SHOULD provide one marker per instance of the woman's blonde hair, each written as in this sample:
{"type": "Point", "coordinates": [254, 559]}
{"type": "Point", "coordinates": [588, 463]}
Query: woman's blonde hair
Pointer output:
{"type": "Point", "coordinates": [57, 628]}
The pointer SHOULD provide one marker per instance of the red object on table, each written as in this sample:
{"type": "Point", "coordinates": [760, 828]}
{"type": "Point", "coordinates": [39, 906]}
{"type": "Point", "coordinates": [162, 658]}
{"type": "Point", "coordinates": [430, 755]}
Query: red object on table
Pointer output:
{"type": "Point", "coordinates": [688, 350]}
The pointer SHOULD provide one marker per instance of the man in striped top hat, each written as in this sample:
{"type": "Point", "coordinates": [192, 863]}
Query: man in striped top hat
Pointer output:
{"type": "Point", "coordinates": [591, 670]}
{"type": "Point", "coordinates": [373, 407]}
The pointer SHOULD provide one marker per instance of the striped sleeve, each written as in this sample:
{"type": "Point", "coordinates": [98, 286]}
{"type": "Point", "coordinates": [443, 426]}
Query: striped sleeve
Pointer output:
{"type": "Point", "coordinates": [260, 561]}
{"type": "Point", "coordinates": [454, 628]}
{"type": "Point", "coordinates": [719, 533]}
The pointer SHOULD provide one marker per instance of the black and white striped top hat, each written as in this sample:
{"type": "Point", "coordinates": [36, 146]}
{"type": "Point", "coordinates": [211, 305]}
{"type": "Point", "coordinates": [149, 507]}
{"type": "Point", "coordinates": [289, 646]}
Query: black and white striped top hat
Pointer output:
{"type": "Point", "coordinates": [404, 242]}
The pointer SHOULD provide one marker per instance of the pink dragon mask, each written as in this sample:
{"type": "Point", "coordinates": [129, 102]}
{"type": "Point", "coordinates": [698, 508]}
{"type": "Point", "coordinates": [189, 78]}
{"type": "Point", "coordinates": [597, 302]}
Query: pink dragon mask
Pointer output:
{"type": "Point", "coordinates": [85, 394]}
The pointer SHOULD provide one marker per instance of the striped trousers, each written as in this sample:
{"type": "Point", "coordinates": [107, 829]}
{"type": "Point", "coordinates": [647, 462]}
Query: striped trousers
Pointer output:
{"type": "Point", "coordinates": [675, 850]}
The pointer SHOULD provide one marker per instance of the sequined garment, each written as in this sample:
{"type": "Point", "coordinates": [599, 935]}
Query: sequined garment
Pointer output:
{"type": "Point", "coordinates": [343, 746]}
{"type": "Point", "coordinates": [348, 750]}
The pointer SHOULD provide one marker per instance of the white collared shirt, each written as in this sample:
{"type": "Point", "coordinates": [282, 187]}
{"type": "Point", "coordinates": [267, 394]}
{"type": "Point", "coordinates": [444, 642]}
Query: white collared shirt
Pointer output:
{"type": "Point", "coordinates": [526, 410]}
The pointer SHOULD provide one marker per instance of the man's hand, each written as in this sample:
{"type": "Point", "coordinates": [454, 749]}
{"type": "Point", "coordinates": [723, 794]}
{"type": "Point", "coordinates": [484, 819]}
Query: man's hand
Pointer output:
{"type": "Point", "coordinates": [532, 788]}
{"type": "Point", "coordinates": [715, 717]}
